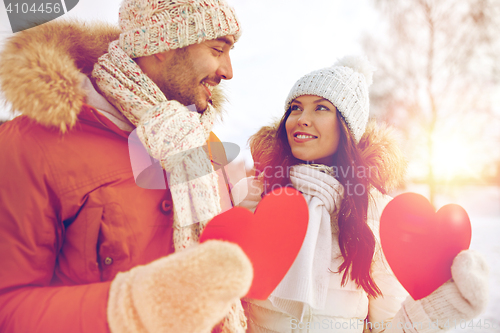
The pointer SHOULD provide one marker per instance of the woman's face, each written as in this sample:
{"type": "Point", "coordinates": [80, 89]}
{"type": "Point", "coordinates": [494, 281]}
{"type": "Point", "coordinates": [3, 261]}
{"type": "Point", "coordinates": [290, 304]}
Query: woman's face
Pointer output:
{"type": "Point", "coordinates": [313, 129]}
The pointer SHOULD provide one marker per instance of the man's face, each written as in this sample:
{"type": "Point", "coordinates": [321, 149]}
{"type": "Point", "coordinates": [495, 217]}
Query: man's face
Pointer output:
{"type": "Point", "coordinates": [188, 75]}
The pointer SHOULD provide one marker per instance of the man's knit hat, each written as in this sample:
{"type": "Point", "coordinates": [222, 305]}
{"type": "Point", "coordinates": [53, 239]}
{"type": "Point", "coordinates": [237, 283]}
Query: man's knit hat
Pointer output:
{"type": "Point", "coordinates": [154, 26]}
{"type": "Point", "coordinates": [345, 85]}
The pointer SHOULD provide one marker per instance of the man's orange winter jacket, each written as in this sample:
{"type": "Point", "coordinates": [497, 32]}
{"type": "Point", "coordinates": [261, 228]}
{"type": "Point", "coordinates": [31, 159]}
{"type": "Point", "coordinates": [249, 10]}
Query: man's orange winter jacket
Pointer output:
{"type": "Point", "coordinates": [71, 213]}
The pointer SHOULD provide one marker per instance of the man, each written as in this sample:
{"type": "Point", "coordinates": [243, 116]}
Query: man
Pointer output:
{"type": "Point", "coordinates": [83, 247]}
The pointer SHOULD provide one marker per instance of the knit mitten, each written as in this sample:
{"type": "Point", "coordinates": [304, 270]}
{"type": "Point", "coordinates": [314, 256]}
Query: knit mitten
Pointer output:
{"type": "Point", "coordinates": [462, 298]}
{"type": "Point", "coordinates": [188, 291]}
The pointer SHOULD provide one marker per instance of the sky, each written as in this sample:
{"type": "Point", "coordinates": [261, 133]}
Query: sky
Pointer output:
{"type": "Point", "coordinates": [282, 40]}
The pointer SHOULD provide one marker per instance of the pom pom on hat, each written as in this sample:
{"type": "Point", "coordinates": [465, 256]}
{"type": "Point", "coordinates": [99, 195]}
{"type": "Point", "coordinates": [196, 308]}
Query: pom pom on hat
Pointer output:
{"type": "Point", "coordinates": [358, 64]}
{"type": "Point", "coordinates": [345, 85]}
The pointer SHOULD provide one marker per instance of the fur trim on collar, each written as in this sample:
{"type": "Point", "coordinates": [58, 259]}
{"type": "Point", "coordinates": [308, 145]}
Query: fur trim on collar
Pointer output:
{"type": "Point", "coordinates": [378, 145]}
{"type": "Point", "coordinates": [380, 150]}
{"type": "Point", "coordinates": [42, 69]}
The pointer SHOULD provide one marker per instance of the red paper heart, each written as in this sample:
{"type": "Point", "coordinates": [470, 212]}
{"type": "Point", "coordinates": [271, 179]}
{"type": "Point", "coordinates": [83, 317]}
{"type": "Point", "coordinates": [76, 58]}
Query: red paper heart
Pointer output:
{"type": "Point", "coordinates": [420, 244]}
{"type": "Point", "coordinates": [271, 238]}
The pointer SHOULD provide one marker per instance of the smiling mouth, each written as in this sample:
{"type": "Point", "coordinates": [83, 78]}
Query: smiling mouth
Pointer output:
{"type": "Point", "coordinates": [208, 88]}
{"type": "Point", "coordinates": [304, 136]}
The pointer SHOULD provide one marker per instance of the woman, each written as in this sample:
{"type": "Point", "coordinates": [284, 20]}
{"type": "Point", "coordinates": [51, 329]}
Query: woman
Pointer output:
{"type": "Point", "coordinates": [324, 147]}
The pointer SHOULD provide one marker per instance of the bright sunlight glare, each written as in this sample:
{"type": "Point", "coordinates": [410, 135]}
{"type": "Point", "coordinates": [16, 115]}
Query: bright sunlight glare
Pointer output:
{"type": "Point", "coordinates": [454, 157]}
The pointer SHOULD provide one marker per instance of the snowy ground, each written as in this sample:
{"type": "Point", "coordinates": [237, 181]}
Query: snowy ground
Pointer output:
{"type": "Point", "coordinates": [485, 238]}
{"type": "Point", "coordinates": [483, 206]}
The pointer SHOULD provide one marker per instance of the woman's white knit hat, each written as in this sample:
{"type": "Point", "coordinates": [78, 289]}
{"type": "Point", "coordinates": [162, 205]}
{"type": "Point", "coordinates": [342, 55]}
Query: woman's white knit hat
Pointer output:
{"type": "Point", "coordinates": [154, 26]}
{"type": "Point", "coordinates": [345, 85]}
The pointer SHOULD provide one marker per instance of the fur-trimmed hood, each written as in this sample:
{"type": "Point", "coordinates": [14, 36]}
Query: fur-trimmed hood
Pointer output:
{"type": "Point", "coordinates": [42, 69]}
{"type": "Point", "coordinates": [378, 146]}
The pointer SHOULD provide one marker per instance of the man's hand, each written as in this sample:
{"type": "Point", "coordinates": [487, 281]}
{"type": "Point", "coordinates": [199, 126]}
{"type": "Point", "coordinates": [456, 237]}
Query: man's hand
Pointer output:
{"type": "Point", "coordinates": [188, 291]}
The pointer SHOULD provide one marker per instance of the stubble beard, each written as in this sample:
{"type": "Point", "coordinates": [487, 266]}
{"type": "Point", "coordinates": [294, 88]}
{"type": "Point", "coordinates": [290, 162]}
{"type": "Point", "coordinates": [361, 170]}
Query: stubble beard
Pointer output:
{"type": "Point", "coordinates": [179, 81]}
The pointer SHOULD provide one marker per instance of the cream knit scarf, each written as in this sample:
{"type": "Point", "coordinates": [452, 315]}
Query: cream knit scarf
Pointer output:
{"type": "Point", "coordinates": [175, 136]}
{"type": "Point", "coordinates": [306, 283]}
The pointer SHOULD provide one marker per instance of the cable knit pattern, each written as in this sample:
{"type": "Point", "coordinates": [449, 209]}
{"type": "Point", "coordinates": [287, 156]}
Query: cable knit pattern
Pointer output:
{"type": "Point", "coordinates": [317, 180]}
{"type": "Point", "coordinates": [175, 136]}
{"type": "Point", "coordinates": [345, 85]}
{"type": "Point", "coordinates": [171, 133]}
{"type": "Point", "coordinates": [154, 26]}
{"type": "Point", "coordinates": [125, 85]}
{"type": "Point", "coordinates": [306, 283]}
{"type": "Point", "coordinates": [191, 178]}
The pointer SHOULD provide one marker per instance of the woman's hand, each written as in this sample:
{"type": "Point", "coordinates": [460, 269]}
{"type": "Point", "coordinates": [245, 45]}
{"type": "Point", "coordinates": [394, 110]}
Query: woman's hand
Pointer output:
{"type": "Point", "coordinates": [463, 297]}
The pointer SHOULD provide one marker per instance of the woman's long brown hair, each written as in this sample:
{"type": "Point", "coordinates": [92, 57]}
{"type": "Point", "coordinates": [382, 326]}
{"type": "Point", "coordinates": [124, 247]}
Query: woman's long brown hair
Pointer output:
{"type": "Point", "coordinates": [356, 240]}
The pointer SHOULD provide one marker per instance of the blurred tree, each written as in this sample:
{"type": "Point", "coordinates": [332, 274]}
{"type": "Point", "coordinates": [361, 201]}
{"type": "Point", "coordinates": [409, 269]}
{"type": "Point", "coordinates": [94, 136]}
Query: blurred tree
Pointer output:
{"type": "Point", "coordinates": [436, 71]}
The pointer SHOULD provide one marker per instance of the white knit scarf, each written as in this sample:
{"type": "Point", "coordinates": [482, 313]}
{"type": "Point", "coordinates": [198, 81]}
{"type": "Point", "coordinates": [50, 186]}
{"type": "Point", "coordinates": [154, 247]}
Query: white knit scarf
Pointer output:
{"type": "Point", "coordinates": [174, 135]}
{"type": "Point", "coordinates": [306, 283]}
